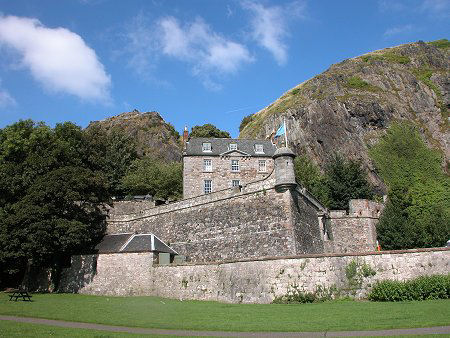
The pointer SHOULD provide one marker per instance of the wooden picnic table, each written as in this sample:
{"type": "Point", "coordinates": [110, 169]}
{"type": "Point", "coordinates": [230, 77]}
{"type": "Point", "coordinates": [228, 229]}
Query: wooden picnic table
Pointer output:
{"type": "Point", "coordinates": [20, 294]}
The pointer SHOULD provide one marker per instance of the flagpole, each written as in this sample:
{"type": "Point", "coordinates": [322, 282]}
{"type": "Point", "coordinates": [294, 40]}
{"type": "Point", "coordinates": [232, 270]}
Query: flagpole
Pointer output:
{"type": "Point", "coordinates": [285, 132]}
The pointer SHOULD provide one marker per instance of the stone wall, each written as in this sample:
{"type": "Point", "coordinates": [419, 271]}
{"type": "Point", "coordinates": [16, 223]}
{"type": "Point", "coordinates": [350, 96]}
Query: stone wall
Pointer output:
{"type": "Point", "coordinates": [254, 221]}
{"type": "Point", "coordinates": [221, 174]}
{"type": "Point", "coordinates": [247, 281]}
{"type": "Point", "coordinates": [120, 208]}
{"type": "Point", "coordinates": [108, 274]}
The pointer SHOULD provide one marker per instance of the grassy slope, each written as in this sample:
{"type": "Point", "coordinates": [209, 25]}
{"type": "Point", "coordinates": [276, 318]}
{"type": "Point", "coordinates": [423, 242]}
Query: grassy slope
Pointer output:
{"type": "Point", "coordinates": [153, 312]}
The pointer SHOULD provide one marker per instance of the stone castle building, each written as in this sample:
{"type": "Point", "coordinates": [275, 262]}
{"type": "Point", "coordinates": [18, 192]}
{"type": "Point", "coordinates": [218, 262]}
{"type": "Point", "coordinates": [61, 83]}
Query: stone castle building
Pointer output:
{"type": "Point", "coordinates": [213, 164]}
{"type": "Point", "coordinates": [248, 242]}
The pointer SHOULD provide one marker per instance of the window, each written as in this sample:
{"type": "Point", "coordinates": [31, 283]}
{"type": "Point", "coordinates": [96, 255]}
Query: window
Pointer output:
{"type": "Point", "coordinates": [259, 149]}
{"type": "Point", "coordinates": [233, 146]}
{"type": "Point", "coordinates": [234, 165]}
{"type": "Point", "coordinates": [207, 186]}
{"type": "Point", "coordinates": [207, 165]}
{"type": "Point", "coordinates": [206, 147]}
{"type": "Point", "coordinates": [235, 183]}
{"type": "Point", "coordinates": [262, 166]}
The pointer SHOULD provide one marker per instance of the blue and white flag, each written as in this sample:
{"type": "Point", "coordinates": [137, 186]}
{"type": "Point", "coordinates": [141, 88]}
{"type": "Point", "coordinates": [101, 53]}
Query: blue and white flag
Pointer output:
{"type": "Point", "coordinates": [280, 131]}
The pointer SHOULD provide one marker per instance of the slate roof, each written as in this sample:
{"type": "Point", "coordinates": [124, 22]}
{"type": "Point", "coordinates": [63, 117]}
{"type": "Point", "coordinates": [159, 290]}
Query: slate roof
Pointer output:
{"type": "Point", "coordinates": [221, 145]}
{"type": "Point", "coordinates": [117, 243]}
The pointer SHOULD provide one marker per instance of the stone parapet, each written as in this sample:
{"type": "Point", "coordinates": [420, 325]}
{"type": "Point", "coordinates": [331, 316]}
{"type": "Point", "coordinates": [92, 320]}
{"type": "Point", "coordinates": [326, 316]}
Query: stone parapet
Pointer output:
{"type": "Point", "coordinates": [247, 280]}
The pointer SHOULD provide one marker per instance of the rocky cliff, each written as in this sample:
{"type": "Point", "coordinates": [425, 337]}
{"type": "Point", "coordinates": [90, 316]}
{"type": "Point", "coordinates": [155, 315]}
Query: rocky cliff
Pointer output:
{"type": "Point", "coordinates": [153, 136]}
{"type": "Point", "coordinates": [347, 108]}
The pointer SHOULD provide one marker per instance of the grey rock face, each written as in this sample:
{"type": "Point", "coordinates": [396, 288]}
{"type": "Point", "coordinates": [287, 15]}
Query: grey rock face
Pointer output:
{"type": "Point", "coordinates": [349, 106]}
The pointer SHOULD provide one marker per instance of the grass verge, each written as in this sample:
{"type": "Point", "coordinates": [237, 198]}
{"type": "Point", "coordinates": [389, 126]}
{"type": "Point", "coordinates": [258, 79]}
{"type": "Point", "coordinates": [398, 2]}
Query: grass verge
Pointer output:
{"type": "Point", "coordinates": [154, 312]}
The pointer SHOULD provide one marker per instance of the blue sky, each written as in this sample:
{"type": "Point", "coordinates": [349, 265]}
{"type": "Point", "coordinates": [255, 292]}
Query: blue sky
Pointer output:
{"type": "Point", "coordinates": [193, 61]}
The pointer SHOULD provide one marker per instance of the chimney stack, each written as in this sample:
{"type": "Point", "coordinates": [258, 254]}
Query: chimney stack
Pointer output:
{"type": "Point", "coordinates": [185, 136]}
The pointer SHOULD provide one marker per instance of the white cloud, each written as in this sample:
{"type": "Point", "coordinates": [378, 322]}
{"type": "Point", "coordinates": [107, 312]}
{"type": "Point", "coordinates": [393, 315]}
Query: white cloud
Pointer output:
{"type": "Point", "coordinates": [390, 6]}
{"type": "Point", "coordinates": [269, 26]}
{"type": "Point", "coordinates": [6, 99]}
{"type": "Point", "coordinates": [398, 30]}
{"type": "Point", "coordinates": [209, 54]}
{"type": "Point", "coordinates": [197, 44]}
{"type": "Point", "coordinates": [57, 58]}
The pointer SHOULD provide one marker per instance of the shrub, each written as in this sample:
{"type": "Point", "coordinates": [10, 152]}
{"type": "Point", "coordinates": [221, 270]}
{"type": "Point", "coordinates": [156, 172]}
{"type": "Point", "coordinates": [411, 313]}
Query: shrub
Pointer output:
{"type": "Point", "coordinates": [295, 295]}
{"type": "Point", "coordinates": [421, 288]}
{"type": "Point", "coordinates": [246, 120]}
{"type": "Point", "coordinates": [355, 82]}
{"type": "Point", "coordinates": [443, 43]}
{"type": "Point", "coordinates": [396, 58]}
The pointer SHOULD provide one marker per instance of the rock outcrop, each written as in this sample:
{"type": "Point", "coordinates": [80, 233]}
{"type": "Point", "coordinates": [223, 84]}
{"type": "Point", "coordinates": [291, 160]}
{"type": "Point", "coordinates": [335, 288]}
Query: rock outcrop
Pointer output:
{"type": "Point", "coordinates": [153, 136]}
{"type": "Point", "coordinates": [349, 106]}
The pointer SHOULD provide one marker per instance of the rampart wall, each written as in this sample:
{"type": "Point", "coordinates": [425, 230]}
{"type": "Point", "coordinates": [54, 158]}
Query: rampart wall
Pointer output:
{"type": "Point", "coordinates": [247, 281]}
{"type": "Point", "coordinates": [255, 221]}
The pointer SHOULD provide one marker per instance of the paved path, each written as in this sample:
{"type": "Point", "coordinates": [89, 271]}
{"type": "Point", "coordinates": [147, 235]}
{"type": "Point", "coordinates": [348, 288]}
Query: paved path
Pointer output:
{"type": "Point", "coordinates": [77, 325]}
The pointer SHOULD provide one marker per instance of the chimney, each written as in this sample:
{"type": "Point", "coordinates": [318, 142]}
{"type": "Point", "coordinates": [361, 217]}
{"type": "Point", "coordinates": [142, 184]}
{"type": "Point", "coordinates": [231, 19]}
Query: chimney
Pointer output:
{"type": "Point", "coordinates": [185, 136]}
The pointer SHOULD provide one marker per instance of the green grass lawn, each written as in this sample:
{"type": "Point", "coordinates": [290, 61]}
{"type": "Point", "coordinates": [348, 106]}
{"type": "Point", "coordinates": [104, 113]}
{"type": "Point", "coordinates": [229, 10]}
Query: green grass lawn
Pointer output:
{"type": "Point", "coordinates": [153, 312]}
{"type": "Point", "coordinates": [12, 329]}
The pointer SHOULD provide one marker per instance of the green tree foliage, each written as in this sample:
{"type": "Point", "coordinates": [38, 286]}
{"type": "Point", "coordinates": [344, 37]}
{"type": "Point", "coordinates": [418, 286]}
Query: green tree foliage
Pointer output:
{"type": "Point", "coordinates": [246, 120]}
{"type": "Point", "coordinates": [50, 194]}
{"type": "Point", "coordinates": [114, 151]}
{"type": "Point", "coordinates": [344, 179]}
{"type": "Point", "coordinates": [310, 177]}
{"type": "Point", "coordinates": [208, 130]}
{"type": "Point", "coordinates": [159, 179]}
{"type": "Point", "coordinates": [418, 210]}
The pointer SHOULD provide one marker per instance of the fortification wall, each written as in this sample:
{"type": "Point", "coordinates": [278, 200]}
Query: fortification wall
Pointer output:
{"type": "Point", "coordinates": [355, 231]}
{"type": "Point", "coordinates": [249, 281]}
{"type": "Point", "coordinates": [256, 221]}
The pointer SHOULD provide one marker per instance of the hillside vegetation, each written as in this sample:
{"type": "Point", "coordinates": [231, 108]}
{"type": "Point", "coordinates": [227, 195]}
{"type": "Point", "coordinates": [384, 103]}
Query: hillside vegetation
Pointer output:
{"type": "Point", "coordinates": [348, 108]}
{"type": "Point", "coordinates": [153, 137]}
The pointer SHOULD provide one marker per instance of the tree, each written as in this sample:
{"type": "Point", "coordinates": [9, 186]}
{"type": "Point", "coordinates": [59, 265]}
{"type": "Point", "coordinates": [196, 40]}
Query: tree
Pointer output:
{"type": "Point", "coordinates": [113, 152]}
{"type": "Point", "coordinates": [51, 196]}
{"type": "Point", "coordinates": [310, 177]}
{"type": "Point", "coordinates": [159, 179]}
{"type": "Point", "coordinates": [208, 130]}
{"type": "Point", "coordinates": [418, 205]}
{"type": "Point", "coordinates": [246, 120]}
{"type": "Point", "coordinates": [345, 179]}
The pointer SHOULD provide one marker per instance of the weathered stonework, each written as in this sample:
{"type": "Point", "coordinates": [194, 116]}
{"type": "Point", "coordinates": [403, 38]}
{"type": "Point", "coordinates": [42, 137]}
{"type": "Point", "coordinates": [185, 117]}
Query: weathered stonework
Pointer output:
{"type": "Point", "coordinates": [221, 174]}
{"type": "Point", "coordinates": [246, 281]}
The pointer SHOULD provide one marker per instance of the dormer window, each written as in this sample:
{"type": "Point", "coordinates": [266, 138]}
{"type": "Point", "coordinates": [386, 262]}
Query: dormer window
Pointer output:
{"type": "Point", "coordinates": [259, 149]}
{"type": "Point", "coordinates": [233, 146]}
{"type": "Point", "coordinates": [206, 147]}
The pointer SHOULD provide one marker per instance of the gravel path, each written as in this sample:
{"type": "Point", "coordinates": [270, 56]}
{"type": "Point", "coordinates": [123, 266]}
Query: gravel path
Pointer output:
{"type": "Point", "coordinates": [76, 325]}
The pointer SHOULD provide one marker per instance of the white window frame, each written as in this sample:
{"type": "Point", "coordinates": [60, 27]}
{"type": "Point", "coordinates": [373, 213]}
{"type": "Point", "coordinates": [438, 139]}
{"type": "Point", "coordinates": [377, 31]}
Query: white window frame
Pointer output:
{"type": "Point", "coordinates": [207, 167]}
{"type": "Point", "coordinates": [206, 147]}
{"type": "Point", "coordinates": [233, 146]}
{"type": "Point", "coordinates": [233, 183]}
{"type": "Point", "coordinates": [262, 166]}
{"type": "Point", "coordinates": [207, 186]}
{"type": "Point", "coordinates": [259, 149]}
{"type": "Point", "coordinates": [235, 165]}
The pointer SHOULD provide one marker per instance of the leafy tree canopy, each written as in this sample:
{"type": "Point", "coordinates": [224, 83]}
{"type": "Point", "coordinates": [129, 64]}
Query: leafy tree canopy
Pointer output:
{"type": "Point", "coordinates": [246, 120]}
{"type": "Point", "coordinates": [418, 210]}
{"type": "Point", "coordinates": [159, 179]}
{"type": "Point", "coordinates": [343, 180]}
{"type": "Point", "coordinates": [50, 196]}
{"type": "Point", "coordinates": [114, 151]}
{"type": "Point", "coordinates": [208, 130]}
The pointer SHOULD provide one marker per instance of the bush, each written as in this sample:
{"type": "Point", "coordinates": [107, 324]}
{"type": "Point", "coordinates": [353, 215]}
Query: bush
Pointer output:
{"type": "Point", "coordinates": [294, 295]}
{"type": "Point", "coordinates": [246, 120]}
{"type": "Point", "coordinates": [421, 288]}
